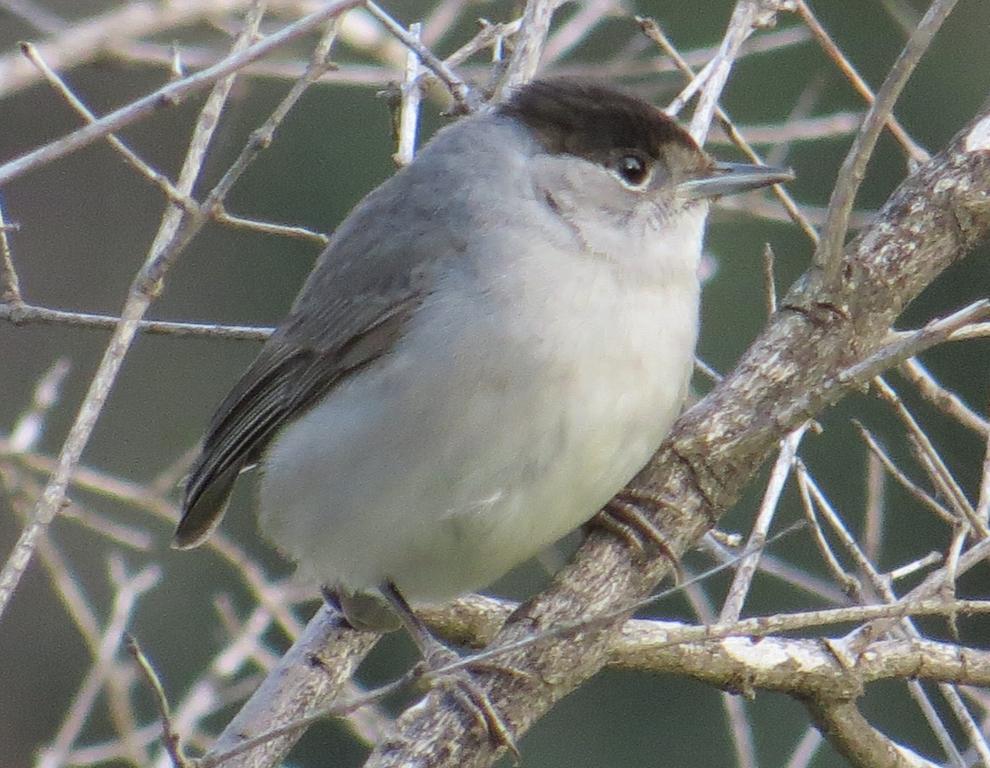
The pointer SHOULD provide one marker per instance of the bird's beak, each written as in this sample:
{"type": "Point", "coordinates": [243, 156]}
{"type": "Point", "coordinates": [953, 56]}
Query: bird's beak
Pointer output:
{"type": "Point", "coordinates": [729, 178]}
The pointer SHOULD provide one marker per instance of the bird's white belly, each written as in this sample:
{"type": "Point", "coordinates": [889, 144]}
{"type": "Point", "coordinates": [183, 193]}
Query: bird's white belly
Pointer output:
{"type": "Point", "coordinates": [469, 449]}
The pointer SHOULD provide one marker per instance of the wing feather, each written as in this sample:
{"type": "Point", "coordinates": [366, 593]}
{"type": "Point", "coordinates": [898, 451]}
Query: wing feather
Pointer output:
{"type": "Point", "coordinates": [352, 309]}
{"type": "Point", "coordinates": [284, 381]}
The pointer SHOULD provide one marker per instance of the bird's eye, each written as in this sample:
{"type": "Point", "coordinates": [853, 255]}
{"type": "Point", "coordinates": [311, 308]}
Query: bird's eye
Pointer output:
{"type": "Point", "coordinates": [633, 169]}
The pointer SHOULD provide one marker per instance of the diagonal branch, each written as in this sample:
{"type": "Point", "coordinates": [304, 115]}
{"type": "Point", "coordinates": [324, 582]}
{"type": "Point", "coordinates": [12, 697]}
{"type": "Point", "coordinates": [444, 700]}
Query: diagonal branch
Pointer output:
{"type": "Point", "coordinates": [862, 744]}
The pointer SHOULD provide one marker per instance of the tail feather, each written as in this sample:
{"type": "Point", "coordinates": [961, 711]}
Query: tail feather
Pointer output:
{"type": "Point", "coordinates": [202, 513]}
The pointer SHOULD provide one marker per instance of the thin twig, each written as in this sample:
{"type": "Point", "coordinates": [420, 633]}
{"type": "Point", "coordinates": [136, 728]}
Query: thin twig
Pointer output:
{"type": "Point", "coordinates": [169, 95]}
{"type": "Point", "coordinates": [129, 590]}
{"type": "Point", "coordinates": [163, 252]}
{"type": "Point", "coordinates": [912, 149]}
{"type": "Point", "coordinates": [735, 710]}
{"type": "Point", "coordinates": [901, 348]}
{"type": "Point", "coordinates": [31, 13]}
{"type": "Point", "coordinates": [849, 583]}
{"type": "Point", "coordinates": [464, 96]}
{"type": "Point", "coordinates": [806, 749]}
{"type": "Point", "coordinates": [220, 215]}
{"type": "Point", "coordinates": [983, 502]}
{"type": "Point", "coordinates": [909, 569]}
{"type": "Point", "coordinates": [576, 29]}
{"type": "Point", "coordinates": [901, 477]}
{"type": "Point", "coordinates": [529, 43]}
{"type": "Point", "coordinates": [945, 400]}
{"type": "Point", "coordinates": [795, 128]}
{"type": "Point", "coordinates": [262, 137]}
{"type": "Point", "coordinates": [769, 283]}
{"type": "Point", "coordinates": [874, 517]}
{"type": "Point", "coordinates": [800, 116]}
{"type": "Point", "coordinates": [33, 55]}
{"type": "Point", "coordinates": [977, 738]}
{"type": "Point", "coordinates": [841, 531]}
{"type": "Point", "coordinates": [828, 254]}
{"type": "Point", "coordinates": [29, 428]}
{"type": "Point", "coordinates": [930, 458]}
{"type": "Point", "coordinates": [10, 287]}
{"type": "Point", "coordinates": [170, 737]}
{"type": "Point", "coordinates": [26, 314]}
{"type": "Point", "coordinates": [746, 15]}
{"type": "Point", "coordinates": [411, 96]}
{"type": "Point", "coordinates": [732, 607]}
{"type": "Point", "coordinates": [217, 211]}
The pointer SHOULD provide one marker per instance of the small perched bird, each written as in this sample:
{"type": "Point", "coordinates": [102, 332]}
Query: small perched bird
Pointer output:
{"type": "Point", "coordinates": [493, 343]}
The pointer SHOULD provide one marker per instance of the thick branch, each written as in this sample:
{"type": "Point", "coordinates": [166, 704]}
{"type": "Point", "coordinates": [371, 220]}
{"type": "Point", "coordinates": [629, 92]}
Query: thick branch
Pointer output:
{"type": "Point", "coordinates": [312, 674]}
{"type": "Point", "coordinates": [798, 667]}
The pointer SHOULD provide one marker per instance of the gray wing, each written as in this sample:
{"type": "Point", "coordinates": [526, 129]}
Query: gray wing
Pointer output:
{"type": "Point", "coordinates": [352, 309]}
{"type": "Point", "coordinates": [285, 380]}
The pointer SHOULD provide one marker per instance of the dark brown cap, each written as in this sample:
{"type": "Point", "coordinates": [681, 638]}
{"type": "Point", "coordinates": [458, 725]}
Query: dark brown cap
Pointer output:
{"type": "Point", "coordinates": [590, 120]}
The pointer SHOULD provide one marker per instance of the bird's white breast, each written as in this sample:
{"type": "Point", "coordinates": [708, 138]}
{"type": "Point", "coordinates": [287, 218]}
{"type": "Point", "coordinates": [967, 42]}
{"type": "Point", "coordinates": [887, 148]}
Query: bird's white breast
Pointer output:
{"type": "Point", "coordinates": [520, 399]}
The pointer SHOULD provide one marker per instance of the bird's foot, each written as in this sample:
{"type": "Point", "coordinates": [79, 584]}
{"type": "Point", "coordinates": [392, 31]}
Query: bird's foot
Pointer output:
{"type": "Point", "coordinates": [622, 516]}
{"type": "Point", "coordinates": [444, 668]}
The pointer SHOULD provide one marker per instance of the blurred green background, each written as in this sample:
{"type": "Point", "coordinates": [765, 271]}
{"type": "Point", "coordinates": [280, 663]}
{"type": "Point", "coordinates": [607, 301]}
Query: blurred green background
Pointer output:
{"type": "Point", "coordinates": [85, 226]}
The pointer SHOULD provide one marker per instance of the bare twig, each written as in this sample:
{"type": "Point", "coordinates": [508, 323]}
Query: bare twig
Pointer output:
{"type": "Point", "coordinates": [169, 736]}
{"type": "Point", "coordinates": [912, 149]}
{"type": "Point", "coordinates": [732, 607]}
{"type": "Point", "coordinates": [746, 16]}
{"type": "Point", "coordinates": [977, 738]}
{"type": "Point", "coordinates": [169, 95]}
{"type": "Point", "coordinates": [30, 426]}
{"type": "Point", "coordinates": [901, 348]}
{"type": "Point", "coordinates": [898, 474]}
{"type": "Point", "coordinates": [908, 569]}
{"type": "Point", "coordinates": [769, 281]}
{"type": "Point", "coordinates": [806, 749]}
{"type": "Point", "coordinates": [33, 55]}
{"type": "Point", "coordinates": [129, 590]}
{"type": "Point", "coordinates": [529, 43]}
{"type": "Point", "coordinates": [143, 290]}
{"type": "Point", "coordinates": [873, 528]}
{"type": "Point", "coordinates": [577, 28]}
{"type": "Point", "coordinates": [828, 254]}
{"type": "Point", "coordinates": [220, 215]}
{"type": "Point", "coordinates": [408, 107]}
{"type": "Point", "coordinates": [983, 502]}
{"type": "Point", "coordinates": [33, 14]}
{"type": "Point", "coordinates": [946, 401]}
{"type": "Point", "coordinates": [464, 96]}
{"type": "Point", "coordinates": [85, 39]}
{"type": "Point", "coordinates": [811, 501]}
{"type": "Point", "coordinates": [10, 289]}
{"type": "Point", "coordinates": [26, 314]}
{"type": "Point", "coordinates": [930, 458]}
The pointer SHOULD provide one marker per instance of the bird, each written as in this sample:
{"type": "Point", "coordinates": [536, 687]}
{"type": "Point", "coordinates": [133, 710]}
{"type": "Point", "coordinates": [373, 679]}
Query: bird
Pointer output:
{"type": "Point", "coordinates": [494, 341]}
